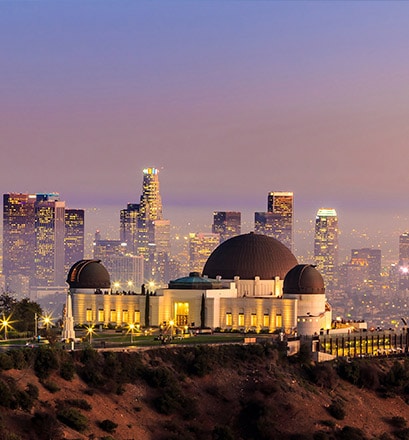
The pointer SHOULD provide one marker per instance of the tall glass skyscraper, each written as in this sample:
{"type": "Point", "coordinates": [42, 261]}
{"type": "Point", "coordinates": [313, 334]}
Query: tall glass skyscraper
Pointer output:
{"type": "Point", "coordinates": [326, 244]}
{"type": "Point", "coordinates": [74, 237]}
{"type": "Point", "coordinates": [227, 224]}
{"type": "Point", "coordinates": [277, 222]}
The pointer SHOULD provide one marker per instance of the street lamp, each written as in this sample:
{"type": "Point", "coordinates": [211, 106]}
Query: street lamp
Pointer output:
{"type": "Point", "coordinates": [5, 322]}
{"type": "Point", "coordinates": [90, 331]}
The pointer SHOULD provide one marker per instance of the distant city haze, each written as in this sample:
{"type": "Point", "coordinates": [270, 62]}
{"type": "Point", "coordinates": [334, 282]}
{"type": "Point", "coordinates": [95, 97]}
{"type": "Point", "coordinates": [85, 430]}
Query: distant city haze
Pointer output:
{"type": "Point", "coordinates": [229, 100]}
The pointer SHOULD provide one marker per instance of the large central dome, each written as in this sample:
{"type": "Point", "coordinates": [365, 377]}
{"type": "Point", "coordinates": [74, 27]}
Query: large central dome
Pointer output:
{"type": "Point", "coordinates": [248, 256]}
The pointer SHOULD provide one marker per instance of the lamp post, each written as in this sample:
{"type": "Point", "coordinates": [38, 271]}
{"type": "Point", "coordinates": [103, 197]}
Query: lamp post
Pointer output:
{"type": "Point", "coordinates": [90, 331]}
{"type": "Point", "coordinates": [131, 328]}
{"type": "Point", "coordinates": [5, 323]}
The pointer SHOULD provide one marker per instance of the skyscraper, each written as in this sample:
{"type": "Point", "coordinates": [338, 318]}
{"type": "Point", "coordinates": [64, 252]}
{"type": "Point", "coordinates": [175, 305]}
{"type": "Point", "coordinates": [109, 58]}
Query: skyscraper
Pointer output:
{"type": "Point", "coordinates": [201, 245]}
{"type": "Point", "coordinates": [18, 238]}
{"type": "Point", "coordinates": [74, 237]}
{"type": "Point", "coordinates": [326, 244]}
{"type": "Point", "coordinates": [227, 224]}
{"type": "Point", "coordinates": [49, 252]}
{"type": "Point", "coordinates": [282, 204]}
{"type": "Point", "coordinates": [129, 226]}
{"type": "Point", "coordinates": [403, 265]}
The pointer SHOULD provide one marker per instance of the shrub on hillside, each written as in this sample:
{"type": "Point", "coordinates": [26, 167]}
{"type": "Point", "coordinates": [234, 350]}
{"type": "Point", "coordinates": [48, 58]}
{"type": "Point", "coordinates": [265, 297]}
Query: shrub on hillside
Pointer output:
{"type": "Point", "coordinates": [108, 426]}
{"type": "Point", "coordinates": [45, 361]}
{"type": "Point", "coordinates": [397, 422]}
{"type": "Point", "coordinates": [77, 403]}
{"type": "Point", "coordinates": [6, 361]}
{"type": "Point", "coordinates": [46, 426]}
{"type": "Point", "coordinates": [51, 386]}
{"type": "Point", "coordinates": [351, 433]}
{"type": "Point", "coordinates": [73, 418]}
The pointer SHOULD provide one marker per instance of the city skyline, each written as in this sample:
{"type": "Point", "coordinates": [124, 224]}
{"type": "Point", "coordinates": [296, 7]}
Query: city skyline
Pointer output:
{"type": "Point", "coordinates": [307, 97]}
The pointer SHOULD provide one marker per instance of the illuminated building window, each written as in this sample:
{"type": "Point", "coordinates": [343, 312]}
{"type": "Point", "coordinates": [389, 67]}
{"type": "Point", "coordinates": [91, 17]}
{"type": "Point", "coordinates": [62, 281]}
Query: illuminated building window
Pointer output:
{"type": "Point", "coordinates": [101, 315]}
{"type": "Point", "coordinates": [279, 321]}
{"type": "Point", "coordinates": [253, 319]}
{"type": "Point", "coordinates": [125, 316]}
{"type": "Point", "coordinates": [89, 315]}
{"type": "Point", "coordinates": [229, 319]}
{"type": "Point", "coordinates": [137, 317]}
{"type": "Point", "coordinates": [266, 320]}
{"type": "Point", "coordinates": [182, 313]}
{"type": "Point", "coordinates": [112, 316]}
{"type": "Point", "coordinates": [241, 319]}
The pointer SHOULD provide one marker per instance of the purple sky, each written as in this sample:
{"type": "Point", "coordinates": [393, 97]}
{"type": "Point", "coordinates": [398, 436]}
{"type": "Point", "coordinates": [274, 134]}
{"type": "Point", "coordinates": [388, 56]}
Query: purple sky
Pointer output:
{"type": "Point", "coordinates": [230, 99]}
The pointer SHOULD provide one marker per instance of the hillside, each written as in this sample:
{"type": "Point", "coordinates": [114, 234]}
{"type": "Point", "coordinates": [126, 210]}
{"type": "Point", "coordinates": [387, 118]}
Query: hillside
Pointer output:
{"type": "Point", "coordinates": [215, 393]}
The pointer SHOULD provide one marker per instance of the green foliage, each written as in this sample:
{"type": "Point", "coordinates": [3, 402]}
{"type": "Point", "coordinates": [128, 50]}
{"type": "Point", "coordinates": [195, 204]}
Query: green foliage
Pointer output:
{"type": "Point", "coordinates": [23, 315]}
{"type": "Point", "coordinates": [108, 426]}
{"type": "Point", "coordinates": [67, 369]}
{"type": "Point", "coordinates": [50, 386]}
{"type": "Point", "coordinates": [337, 409]}
{"type": "Point", "coordinates": [6, 361]}
{"type": "Point", "coordinates": [323, 375]}
{"type": "Point", "coordinates": [76, 403]}
{"type": "Point", "coordinates": [73, 418]}
{"type": "Point", "coordinates": [45, 361]}
{"type": "Point", "coordinates": [349, 371]}
{"type": "Point", "coordinates": [7, 397]}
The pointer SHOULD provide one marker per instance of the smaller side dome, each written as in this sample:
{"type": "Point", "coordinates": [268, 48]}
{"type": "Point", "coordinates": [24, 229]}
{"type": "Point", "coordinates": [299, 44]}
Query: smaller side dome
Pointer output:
{"type": "Point", "coordinates": [304, 278]}
{"type": "Point", "coordinates": [88, 274]}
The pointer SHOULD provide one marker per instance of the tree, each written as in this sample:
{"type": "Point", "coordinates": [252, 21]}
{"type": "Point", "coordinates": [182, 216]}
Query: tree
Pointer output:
{"type": "Point", "coordinates": [147, 306]}
{"type": "Point", "coordinates": [7, 302]}
{"type": "Point", "coordinates": [203, 312]}
{"type": "Point", "coordinates": [24, 315]}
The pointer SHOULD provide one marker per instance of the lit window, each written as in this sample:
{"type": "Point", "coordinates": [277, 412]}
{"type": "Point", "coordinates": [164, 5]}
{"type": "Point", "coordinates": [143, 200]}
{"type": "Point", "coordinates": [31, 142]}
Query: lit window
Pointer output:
{"type": "Point", "coordinates": [137, 317]}
{"type": "Point", "coordinates": [266, 320]}
{"type": "Point", "coordinates": [253, 319]}
{"type": "Point", "coordinates": [89, 315]}
{"type": "Point", "coordinates": [229, 320]}
{"type": "Point", "coordinates": [279, 321]}
{"type": "Point", "coordinates": [112, 317]}
{"type": "Point", "coordinates": [241, 319]}
{"type": "Point", "coordinates": [101, 316]}
{"type": "Point", "coordinates": [125, 316]}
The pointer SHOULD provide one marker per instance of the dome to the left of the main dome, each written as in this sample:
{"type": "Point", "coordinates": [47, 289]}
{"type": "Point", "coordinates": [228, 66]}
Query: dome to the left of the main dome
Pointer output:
{"type": "Point", "coordinates": [89, 274]}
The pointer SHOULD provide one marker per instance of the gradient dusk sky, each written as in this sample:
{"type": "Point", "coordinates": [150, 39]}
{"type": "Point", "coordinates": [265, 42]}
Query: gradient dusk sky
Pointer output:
{"type": "Point", "coordinates": [229, 99]}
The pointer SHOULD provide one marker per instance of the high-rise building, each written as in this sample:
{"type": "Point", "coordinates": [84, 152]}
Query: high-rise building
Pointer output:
{"type": "Point", "coordinates": [145, 230]}
{"type": "Point", "coordinates": [201, 245]}
{"type": "Point", "coordinates": [227, 224]}
{"type": "Point", "coordinates": [49, 240]}
{"type": "Point", "coordinates": [364, 268]}
{"type": "Point", "coordinates": [403, 265]}
{"type": "Point", "coordinates": [326, 244]}
{"type": "Point", "coordinates": [74, 237]}
{"type": "Point", "coordinates": [129, 226]}
{"type": "Point", "coordinates": [18, 238]}
{"type": "Point", "coordinates": [281, 203]}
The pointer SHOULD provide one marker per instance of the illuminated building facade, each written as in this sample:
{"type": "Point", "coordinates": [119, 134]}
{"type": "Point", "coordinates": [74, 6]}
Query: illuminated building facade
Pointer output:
{"type": "Point", "coordinates": [250, 282]}
{"type": "Point", "coordinates": [74, 237]}
{"type": "Point", "coordinates": [201, 245]}
{"type": "Point", "coordinates": [326, 244]}
{"type": "Point", "coordinates": [403, 261]}
{"type": "Point", "coordinates": [227, 224]}
{"type": "Point", "coordinates": [364, 268]}
{"type": "Point", "coordinates": [18, 238]}
{"type": "Point", "coordinates": [129, 226]}
{"type": "Point", "coordinates": [49, 240]}
{"type": "Point", "coordinates": [281, 203]}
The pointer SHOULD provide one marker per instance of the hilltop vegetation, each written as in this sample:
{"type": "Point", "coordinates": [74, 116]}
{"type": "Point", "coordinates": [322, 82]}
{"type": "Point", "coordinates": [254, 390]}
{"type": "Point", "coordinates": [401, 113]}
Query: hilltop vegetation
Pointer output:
{"type": "Point", "coordinates": [201, 392]}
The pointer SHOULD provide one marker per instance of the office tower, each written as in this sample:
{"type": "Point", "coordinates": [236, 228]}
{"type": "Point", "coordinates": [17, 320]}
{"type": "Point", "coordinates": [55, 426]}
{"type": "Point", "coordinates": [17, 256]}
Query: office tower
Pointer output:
{"type": "Point", "coordinates": [201, 245]}
{"type": "Point", "coordinates": [281, 204]}
{"type": "Point", "coordinates": [326, 244]}
{"type": "Point", "coordinates": [49, 214]}
{"type": "Point", "coordinates": [404, 261]}
{"type": "Point", "coordinates": [18, 238]}
{"type": "Point", "coordinates": [129, 226]}
{"type": "Point", "coordinates": [227, 224]}
{"type": "Point", "coordinates": [74, 237]}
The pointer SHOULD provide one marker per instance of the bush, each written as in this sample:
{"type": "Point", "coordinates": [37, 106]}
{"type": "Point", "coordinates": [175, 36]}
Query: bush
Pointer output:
{"type": "Point", "coordinates": [6, 361]}
{"type": "Point", "coordinates": [73, 418]}
{"type": "Point", "coordinates": [45, 361]}
{"type": "Point", "coordinates": [397, 422]}
{"type": "Point", "coordinates": [67, 370]}
{"type": "Point", "coordinates": [351, 433]}
{"type": "Point", "coordinates": [108, 426]}
{"type": "Point", "coordinates": [77, 403]}
{"type": "Point", "coordinates": [50, 386]}
{"type": "Point", "coordinates": [337, 410]}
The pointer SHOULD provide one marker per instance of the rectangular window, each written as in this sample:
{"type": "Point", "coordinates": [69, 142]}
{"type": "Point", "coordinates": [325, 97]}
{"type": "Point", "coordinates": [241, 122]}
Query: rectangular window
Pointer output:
{"type": "Point", "coordinates": [101, 316]}
{"type": "Point", "coordinates": [112, 317]}
{"type": "Point", "coordinates": [125, 316]}
{"type": "Point", "coordinates": [266, 320]}
{"type": "Point", "coordinates": [89, 315]}
{"type": "Point", "coordinates": [279, 321]}
{"type": "Point", "coordinates": [137, 317]}
{"type": "Point", "coordinates": [241, 319]}
{"type": "Point", "coordinates": [253, 319]}
{"type": "Point", "coordinates": [229, 319]}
